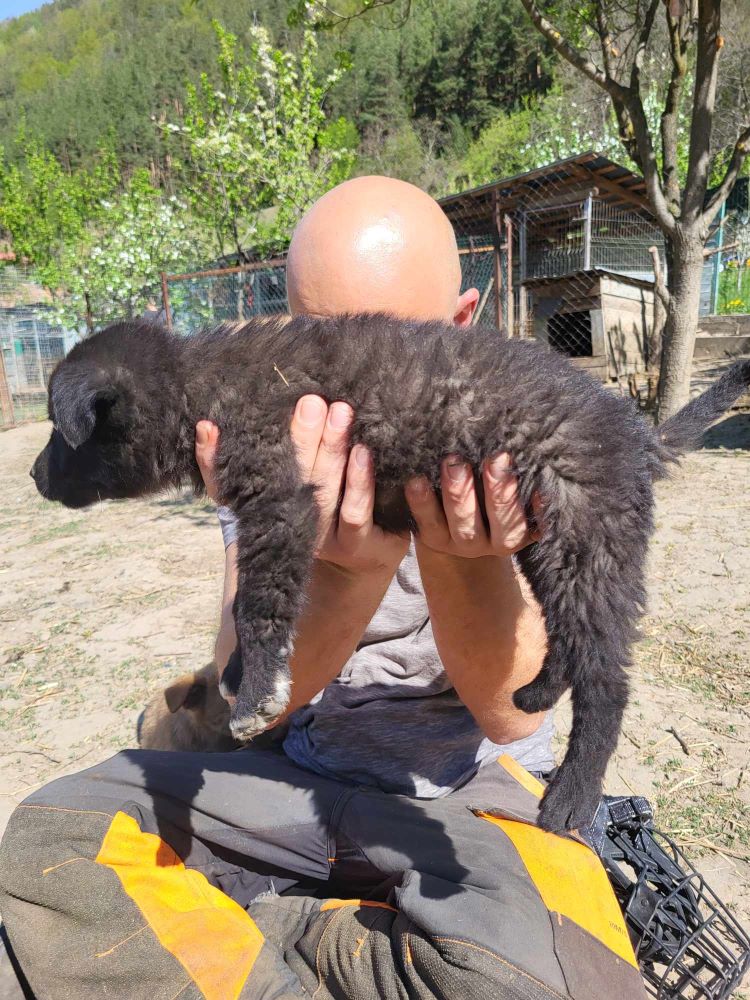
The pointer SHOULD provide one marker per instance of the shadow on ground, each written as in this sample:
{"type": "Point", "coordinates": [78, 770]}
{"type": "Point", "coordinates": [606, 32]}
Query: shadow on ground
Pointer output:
{"type": "Point", "coordinates": [732, 433]}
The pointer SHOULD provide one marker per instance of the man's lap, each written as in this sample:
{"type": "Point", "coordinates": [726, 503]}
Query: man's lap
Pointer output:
{"type": "Point", "coordinates": [248, 823]}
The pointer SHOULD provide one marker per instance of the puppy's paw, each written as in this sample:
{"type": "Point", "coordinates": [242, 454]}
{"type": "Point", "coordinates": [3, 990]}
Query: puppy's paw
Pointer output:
{"type": "Point", "coordinates": [261, 699]}
{"type": "Point", "coordinates": [537, 696]}
{"type": "Point", "coordinates": [570, 801]}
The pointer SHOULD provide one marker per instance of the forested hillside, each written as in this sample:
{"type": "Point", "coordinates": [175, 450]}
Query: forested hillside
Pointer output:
{"type": "Point", "coordinates": [77, 70]}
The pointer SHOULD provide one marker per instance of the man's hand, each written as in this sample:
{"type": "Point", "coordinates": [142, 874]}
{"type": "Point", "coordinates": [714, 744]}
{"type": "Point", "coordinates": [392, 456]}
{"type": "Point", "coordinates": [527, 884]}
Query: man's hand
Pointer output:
{"type": "Point", "coordinates": [321, 437]}
{"type": "Point", "coordinates": [457, 528]}
{"type": "Point", "coordinates": [352, 541]}
{"type": "Point", "coordinates": [206, 444]}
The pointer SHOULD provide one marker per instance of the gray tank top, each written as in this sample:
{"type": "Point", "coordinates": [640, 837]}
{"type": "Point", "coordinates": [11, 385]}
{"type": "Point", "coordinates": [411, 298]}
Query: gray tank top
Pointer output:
{"type": "Point", "coordinates": [392, 719]}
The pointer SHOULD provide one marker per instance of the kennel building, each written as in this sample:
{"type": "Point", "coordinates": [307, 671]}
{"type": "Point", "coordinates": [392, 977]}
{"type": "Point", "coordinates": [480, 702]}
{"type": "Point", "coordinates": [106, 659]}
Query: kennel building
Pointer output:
{"type": "Point", "coordinates": [561, 254]}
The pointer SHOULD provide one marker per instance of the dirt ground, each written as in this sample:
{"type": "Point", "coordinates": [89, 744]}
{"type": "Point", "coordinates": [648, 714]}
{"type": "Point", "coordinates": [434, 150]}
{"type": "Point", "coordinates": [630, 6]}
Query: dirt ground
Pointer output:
{"type": "Point", "coordinates": [99, 608]}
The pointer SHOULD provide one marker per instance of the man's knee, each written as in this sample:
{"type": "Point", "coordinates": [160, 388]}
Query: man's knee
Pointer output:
{"type": "Point", "coordinates": [41, 838]}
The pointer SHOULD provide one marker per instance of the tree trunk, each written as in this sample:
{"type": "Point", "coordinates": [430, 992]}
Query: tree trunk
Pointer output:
{"type": "Point", "coordinates": [684, 282]}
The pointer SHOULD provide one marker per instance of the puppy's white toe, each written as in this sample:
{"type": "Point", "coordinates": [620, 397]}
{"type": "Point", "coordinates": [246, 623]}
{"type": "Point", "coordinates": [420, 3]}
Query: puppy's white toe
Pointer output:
{"type": "Point", "coordinates": [275, 705]}
{"type": "Point", "coordinates": [248, 726]}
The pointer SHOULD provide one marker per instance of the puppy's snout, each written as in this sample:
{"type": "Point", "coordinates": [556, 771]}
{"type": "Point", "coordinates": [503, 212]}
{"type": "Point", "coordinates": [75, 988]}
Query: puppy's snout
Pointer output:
{"type": "Point", "coordinates": [40, 474]}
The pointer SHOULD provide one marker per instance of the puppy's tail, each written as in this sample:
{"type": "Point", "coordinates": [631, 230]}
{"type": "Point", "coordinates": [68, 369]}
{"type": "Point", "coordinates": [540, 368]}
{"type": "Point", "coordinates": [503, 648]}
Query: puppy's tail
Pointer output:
{"type": "Point", "coordinates": [685, 429]}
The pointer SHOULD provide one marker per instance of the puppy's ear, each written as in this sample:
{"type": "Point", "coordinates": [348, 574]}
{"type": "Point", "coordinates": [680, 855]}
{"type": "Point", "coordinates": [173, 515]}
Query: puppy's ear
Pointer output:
{"type": "Point", "coordinates": [187, 691]}
{"type": "Point", "coordinates": [79, 393]}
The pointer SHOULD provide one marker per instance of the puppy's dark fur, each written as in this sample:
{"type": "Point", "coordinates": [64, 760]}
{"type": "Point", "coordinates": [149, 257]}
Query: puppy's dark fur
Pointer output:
{"type": "Point", "coordinates": [125, 403]}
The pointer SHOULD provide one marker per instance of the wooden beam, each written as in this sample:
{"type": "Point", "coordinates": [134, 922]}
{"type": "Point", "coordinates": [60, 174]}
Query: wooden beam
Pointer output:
{"type": "Point", "coordinates": [616, 189]}
{"type": "Point", "coordinates": [6, 397]}
{"type": "Point", "coordinates": [498, 264]}
{"type": "Point", "coordinates": [165, 301]}
{"type": "Point", "coordinates": [509, 303]}
{"type": "Point", "coordinates": [217, 272]}
{"type": "Point", "coordinates": [522, 303]}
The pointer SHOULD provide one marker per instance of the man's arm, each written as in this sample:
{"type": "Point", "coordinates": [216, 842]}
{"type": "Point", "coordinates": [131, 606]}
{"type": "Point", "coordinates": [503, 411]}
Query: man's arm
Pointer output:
{"type": "Point", "coordinates": [488, 628]}
{"type": "Point", "coordinates": [355, 561]}
{"type": "Point", "coordinates": [489, 633]}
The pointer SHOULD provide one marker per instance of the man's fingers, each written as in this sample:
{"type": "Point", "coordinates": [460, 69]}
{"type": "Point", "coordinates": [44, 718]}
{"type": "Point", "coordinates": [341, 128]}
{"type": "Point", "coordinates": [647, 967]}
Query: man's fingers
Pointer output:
{"type": "Point", "coordinates": [358, 503]}
{"type": "Point", "coordinates": [427, 512]}
{"type": "Point", "coordinates": [206, 446]}
{"type": "Point", "coordinates": [308, 423]}
{"type": "Point", "coordinates": [506, 517]}
{"type": "Point", "coordinates": [537, 508]}
{"type": "Point", "coordinates": [330, 462]}
{"type": "Point", "coordinates": [461, 505]}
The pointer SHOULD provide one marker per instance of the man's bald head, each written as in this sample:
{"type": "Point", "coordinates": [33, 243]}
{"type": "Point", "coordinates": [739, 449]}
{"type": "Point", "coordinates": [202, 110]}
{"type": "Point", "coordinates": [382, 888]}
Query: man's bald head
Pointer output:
{"type": "Point", "coordinates": [376, 244]}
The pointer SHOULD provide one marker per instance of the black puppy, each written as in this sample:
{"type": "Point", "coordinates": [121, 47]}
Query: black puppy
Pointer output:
{"type": "Point", "coordinates": [125, 403]}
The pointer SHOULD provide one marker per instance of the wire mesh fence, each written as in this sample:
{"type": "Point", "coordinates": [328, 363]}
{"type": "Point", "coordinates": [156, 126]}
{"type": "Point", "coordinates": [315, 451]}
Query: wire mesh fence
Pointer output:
{"type": "Point", "coordinates": [562, 254]}
{"type": "Point", "coordinates": [31, 344]}
{"type": "Point", "coordinates": [204, 298]}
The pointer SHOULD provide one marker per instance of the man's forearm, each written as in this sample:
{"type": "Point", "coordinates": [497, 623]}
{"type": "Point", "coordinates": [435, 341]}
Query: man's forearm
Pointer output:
{"type": "Point", "coordinates": [491, 639]}
{"type": "Point", "coordinates": [340, 605]}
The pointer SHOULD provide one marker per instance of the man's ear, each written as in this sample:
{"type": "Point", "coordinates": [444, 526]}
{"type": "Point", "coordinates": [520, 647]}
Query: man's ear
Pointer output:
{"type": "Point", "coordinates": [465, 307]}
{"type": "Point", "coordinates": [78, 395]}
{"type": "Point", "coordinates": [188, 691]}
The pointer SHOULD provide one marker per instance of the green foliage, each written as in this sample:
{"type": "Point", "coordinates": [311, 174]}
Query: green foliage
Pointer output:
{"type": "Point", "coordinates": [77, 69]}
{"type": "Point", "coordinates": [44, 208]}
{"type": "Point", "coordinates": [734, 287]}
{"type": "Point", "coordinates": [455, 63]}
{"type": "Point", "coordinates": [563, 123]}
{"type": "Point", "coordinates": [338, 142]}
{"type": "Point", "coordinates": [257, 150]}
{"type": "Point", "coordinates": [501, 150]}
{"type": "Point", "coordinates": [95, 245]}
{"type": "Point", "coordinates": [111, 270]}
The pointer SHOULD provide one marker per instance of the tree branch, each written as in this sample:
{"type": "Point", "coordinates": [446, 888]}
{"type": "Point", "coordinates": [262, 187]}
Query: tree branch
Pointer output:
{"type": "Point", "coordinates": [628, 107]}
{"type": "Point", "coordinates": [339, 18]}
{"type": "Point", "coordinates": [643, 40]}
{"type": "Point", "coordinates": [659, 287]}
{"type": "Point", "coordinates": [648, 164]}
{"type": "Point", "coordinates": [704, 100]}
{"type": "Point", "coordinates": [740, 152]}
{"type": "Point", "coordinates": [605, 41]}
{"type": "Point", "coordinates": [670, 115]}
{"type": "Point", "coordinates": [569, 52]}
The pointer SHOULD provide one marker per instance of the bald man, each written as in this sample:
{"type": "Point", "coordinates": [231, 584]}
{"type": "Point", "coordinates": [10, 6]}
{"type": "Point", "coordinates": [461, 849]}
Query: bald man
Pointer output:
{"type": "Point", "coordinates": [379, 244]}
{"type": "Point", "coordinates": [165, 875]}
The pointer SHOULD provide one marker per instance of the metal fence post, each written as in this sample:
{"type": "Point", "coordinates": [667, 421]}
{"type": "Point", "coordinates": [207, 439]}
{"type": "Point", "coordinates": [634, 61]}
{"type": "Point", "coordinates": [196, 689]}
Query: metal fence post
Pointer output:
{"type": "Point", "coordinates": [40, 366]}
{"type": "Point", "coordinates": [587, 232]}
{"type": "Point", "coordinates": [165, 300]}
{"type": "Point", "coordinates": [6, 397]}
